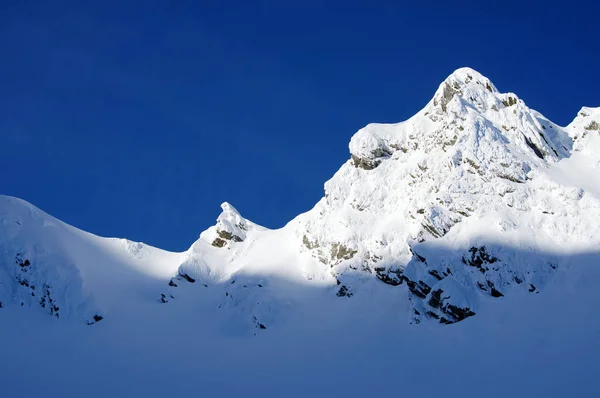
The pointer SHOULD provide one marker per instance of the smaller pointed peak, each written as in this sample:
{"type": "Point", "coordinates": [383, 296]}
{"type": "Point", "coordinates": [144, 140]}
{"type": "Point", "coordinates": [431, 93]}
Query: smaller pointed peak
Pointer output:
{"type": "Point", "coordinates": [231, 227]}
{"type": "Point", "coordinates": [229, 209]}
{"type": "Point", "coordinates": [231, 218]}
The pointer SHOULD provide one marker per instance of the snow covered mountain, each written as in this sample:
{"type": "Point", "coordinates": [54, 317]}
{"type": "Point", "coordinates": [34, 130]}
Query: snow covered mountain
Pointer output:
{"type": "Point", "coordinates": [477, 212]}
{"type": "Point", "coordinates": [475, 197]}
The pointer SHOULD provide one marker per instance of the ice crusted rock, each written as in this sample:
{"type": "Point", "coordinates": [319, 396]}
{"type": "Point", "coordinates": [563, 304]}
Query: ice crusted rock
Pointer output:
{"type": "Point", "coordinates": [231, 227]}
{"type": "Point", "coordinates": [368, 150]}
{"type": "Point", "coordinates": [585, 129]}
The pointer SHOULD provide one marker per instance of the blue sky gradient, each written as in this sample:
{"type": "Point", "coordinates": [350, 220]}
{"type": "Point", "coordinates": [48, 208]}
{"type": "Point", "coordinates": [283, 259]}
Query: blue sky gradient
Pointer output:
{"type": "Point", "coordinates": [137, 119]}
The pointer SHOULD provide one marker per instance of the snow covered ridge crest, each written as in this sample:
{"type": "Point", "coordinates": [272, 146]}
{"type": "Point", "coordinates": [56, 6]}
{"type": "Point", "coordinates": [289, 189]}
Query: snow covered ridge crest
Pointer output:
{"type": "Point", "coordinates": [474, 198]}
{"type": "Point", "coordinates": [34, 270]}
{"type": "Point", "coordinates": [465, 106]}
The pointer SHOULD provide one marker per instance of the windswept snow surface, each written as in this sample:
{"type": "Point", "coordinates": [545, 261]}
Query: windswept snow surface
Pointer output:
{"type": "Point", "coordinates": [455, 253]}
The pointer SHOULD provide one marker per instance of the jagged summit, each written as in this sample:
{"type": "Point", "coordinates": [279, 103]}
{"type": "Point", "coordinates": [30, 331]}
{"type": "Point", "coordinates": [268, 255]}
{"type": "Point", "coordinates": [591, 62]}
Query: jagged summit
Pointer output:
{"type": "Point", "coordinates": [469, 115]}
{"type": "Point", "coordinates": [472, 153]}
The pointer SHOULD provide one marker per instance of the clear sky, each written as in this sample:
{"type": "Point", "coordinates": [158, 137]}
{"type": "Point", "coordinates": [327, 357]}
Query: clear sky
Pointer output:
{"type": "Point", "coordinates": [137, 119]}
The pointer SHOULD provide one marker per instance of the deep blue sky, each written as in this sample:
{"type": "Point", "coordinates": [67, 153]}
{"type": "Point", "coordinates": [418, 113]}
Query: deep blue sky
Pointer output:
{"type": "Point", "coordinates": [137, 119]}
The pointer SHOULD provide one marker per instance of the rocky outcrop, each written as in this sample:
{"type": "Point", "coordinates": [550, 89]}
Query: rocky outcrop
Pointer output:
{"type": "Point", "coordinates": [36, 279]}
{"type": "Point", "coordinates": [447, 285]}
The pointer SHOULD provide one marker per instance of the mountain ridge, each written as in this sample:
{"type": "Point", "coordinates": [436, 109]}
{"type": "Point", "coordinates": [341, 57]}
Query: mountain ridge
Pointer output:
{"type": "Point", "coordinates": [476, 170]}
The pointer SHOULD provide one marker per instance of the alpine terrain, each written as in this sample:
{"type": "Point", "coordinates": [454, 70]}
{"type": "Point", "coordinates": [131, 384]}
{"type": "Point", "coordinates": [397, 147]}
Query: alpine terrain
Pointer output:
{"type": "Point", "coordinates": [455, 252]}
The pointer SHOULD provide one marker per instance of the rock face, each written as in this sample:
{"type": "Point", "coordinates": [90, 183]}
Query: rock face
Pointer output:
{"type": "Point", "coordinates": [469, 171]}
{"type": "Point", "coordinates": [474, 198]}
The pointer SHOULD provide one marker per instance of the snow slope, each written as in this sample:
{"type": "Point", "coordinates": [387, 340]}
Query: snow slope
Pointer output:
{"type": "Point", "coordinates": [477, 211]}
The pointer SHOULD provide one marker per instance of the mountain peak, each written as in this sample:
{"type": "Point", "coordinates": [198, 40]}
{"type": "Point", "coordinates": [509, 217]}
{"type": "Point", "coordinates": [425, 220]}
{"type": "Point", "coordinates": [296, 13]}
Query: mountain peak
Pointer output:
{"type": "Point", "coordinates": [438, 202]}
{"type": "Point", "coordinates": [467, 76]}
{"type": "Point", "coordinates": [470, 86]}
{"type": "Point", "coordinates": [230, 213]}
{"type": "Point", "coordinates": [467, 114]}
{"type": "Point", "coordinates": [231, 227]}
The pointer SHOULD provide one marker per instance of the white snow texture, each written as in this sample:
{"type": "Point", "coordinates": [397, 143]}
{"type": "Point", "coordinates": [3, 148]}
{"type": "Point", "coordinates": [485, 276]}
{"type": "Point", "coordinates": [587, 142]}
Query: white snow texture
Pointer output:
{"type": "Point", "coordinates": [456, 252]}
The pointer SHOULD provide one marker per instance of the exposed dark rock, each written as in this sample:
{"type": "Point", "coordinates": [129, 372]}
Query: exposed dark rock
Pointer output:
{"type": "Point", "coordinates": [187, 277]}
{"type": "Point", "coordinates": [310, 245]}
{"type": "Point", "coordinates": [229, 236]}
{"type": "Point", "coordinates": [510, 101]}
{"type": "Point", "coordinates": [532, 288]}
{"type": "Point", "coordinates": [390, 276]}
{"type": "Point", "coordinates": [225, 236]}
{"type": "Point", "coordinates": [531, 145]}
{"type": "Point", "coordinates": [593, 126]}
{"type": "Point", "coordinates": [344, 292]}
{"type": "Point", "coordinates": [96, 318]}
{"type": "Point", "coordinates": [479, 257]}
{"type": "Point", "coordinates": [435, 274]}
{"type": "Point", "coordinates": [453, 312]}
{"type": "Point", "coordinates": [432, 314]}
{"type": "Point", "coordinates": [371, 162]}
{"type": "Point", "coordinates": [547, 143]}
{"type": "Point", "coordinates": [494, 291]}
{"type": "Point", "coordinates": [24, 263]}
{"type": "Point", "coordinates": [434, 231]}
{"type": "Point", "coordinates": [218, 242]}
{"type": "Point", "coordinates": [420, 258]}
{"type": "Point", "coordinates": [341, 252]}
{"type": "Point", "coordinates": [419, 289]}
{"type": "Point", "coordinates": [458, 313]}
{"type": "Point", "coordinates": [435, 300]}
{"type": "Point", "coordinates": [366, 164]}
{"type": "Point", "coordinates": [447, 94]}
{"type": "Point", "coordinates": [172, 284]}
{"type": "Point", "coordinates": [258, 324]}
{"type": "Point", "coordinates": [518, 280]}
{"type": "Point", "coordinates": [509, 178]}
